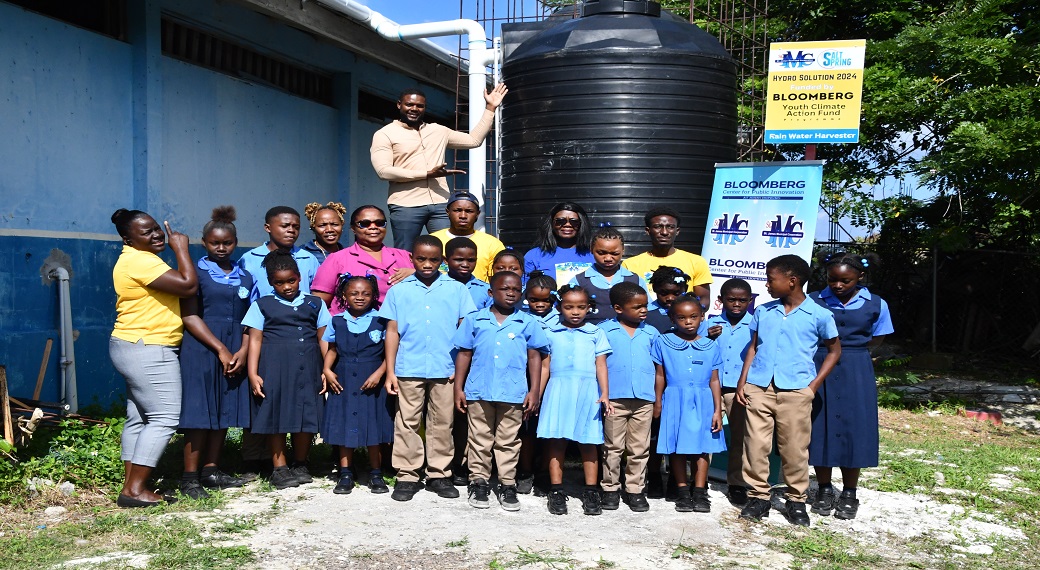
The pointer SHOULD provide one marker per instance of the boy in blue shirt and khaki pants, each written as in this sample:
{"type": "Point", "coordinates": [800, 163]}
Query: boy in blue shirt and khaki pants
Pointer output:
{"type": "Point", "coordinates": [422, 313]}
{"type": "Point", "coordinates": [778, 383]}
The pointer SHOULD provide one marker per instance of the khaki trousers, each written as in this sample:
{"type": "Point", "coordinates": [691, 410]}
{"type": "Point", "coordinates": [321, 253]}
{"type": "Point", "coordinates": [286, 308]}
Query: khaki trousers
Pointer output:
{"type": "Point", "coordinates": [494, 427]}
{"type": "Point", "coordinates": [627, 429]}
{"type": "Point", "coordinates": [789, 414]}
{"type": "Point", "coordinates": [437, 396]}
{"type": "Point", "coordinates": [736, 415]}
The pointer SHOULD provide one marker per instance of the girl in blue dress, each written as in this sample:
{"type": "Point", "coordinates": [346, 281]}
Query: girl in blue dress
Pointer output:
{"type": "Point", "coordinates": [690, 401]}
{"type": "Point", "coordinates": [358, 412]}
{"type": "Point", "coordinates": [574, 397]}
{"type": "Point", "coordinates": [284, 366]}
{"type": "Point", "coordinates": [213, 358]}
{"type": "Point", "coordinates": [845, 411]}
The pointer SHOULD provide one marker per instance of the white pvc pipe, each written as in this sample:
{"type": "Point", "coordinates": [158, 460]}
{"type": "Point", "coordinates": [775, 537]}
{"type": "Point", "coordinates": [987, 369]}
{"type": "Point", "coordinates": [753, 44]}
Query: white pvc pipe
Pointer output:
{"type": "Point", "coordinates": [69, 392]}
{"type": "Point", "coordinates": [479, 58]}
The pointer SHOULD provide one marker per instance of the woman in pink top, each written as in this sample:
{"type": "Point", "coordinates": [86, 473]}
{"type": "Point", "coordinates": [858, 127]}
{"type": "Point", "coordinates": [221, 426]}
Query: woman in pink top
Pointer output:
{"type": "Point", "coordinates": [367, 256]}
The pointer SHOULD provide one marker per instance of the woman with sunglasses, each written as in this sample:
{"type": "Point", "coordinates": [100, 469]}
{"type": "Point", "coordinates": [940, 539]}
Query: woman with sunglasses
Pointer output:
{"type": "Point", "coordinates": [367, 256]}
{"type": "Point", "coordinates": [563, 247]}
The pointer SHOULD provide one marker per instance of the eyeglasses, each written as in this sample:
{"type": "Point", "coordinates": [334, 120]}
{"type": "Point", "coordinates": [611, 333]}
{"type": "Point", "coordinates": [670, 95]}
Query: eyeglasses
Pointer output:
{"type": "Point", "coordinates": [369, 223]}
{"type": "Point", "coordinates": [573, 222]}
{"type": "Point", "coordinates": [668, 227]}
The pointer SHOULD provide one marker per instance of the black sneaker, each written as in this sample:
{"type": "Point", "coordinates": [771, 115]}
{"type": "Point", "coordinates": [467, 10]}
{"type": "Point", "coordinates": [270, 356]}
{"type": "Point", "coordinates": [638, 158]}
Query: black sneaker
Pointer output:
{"type": "Point", "coordinates": [824, 503]}
{"type": "Point", "coordinates": [193, 490]}
{"type": "Point", "coordinates": [756, 509]}
{"type": "Point", "coordinates": [525, 483]}
{"type": "Point", "coordinates": [701, 503]}
{"type": "Point", "coordinates": [345, 485]}
{"type": "Point", "coordinates": [405, 490]}
{"type": "Point", "coordinates": [795, 513]}
{"type": "Point", "coordinates": [283, 478]}
{"type": "Point", "coordinates": [478, 494]}
{"type": "Point", "coordinates": [220, 480]}
{"type": "Point", "coordinates": [557, 502]}
{"type": "Point", "coordinates": [683, 500]}
{"type": "Point", "coordinates": [611, 500]}
{"type": "Point", "coordinates": [654, 488]}
{"type": "Point", "coordinates": [302, 474]}
{"type": "Point", "coordinates": [591, 502]}
{"type": "Point", "coordinates": [442, 487]}
{"type": "Point", "coordinates": [541, 487]}
{"type": "Point", "coordinates": [846, 508]}
{"type": "Point", "coordinates": [636, 502]}
{"type": "Point", "coordinates": [376, 484]}
{"type": "Point", "coordinates": [460, 476]}
{"type": "Point", "coordinates": [737, 495]}
{"type": "Point", "coordinates": [507, 498]}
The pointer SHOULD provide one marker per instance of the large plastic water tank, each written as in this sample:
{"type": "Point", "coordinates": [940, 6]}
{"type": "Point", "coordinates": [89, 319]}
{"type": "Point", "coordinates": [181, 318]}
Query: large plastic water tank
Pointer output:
{"type": "Point", "coordinates": [619, 110]}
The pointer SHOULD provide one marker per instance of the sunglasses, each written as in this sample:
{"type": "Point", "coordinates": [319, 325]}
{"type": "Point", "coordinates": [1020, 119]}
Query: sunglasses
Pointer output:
{"type": "Point", "coordinates": [573, 222]}
{"type": "Point", "coordinates": [369, 223]}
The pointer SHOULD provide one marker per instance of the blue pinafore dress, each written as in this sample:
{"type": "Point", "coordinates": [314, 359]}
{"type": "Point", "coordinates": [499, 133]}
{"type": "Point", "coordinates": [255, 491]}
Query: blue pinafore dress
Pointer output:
{"type": "Point", "coordinates": [290, 365]}
{"type": "Point", "coordinates": [211, 400]}
{"type": "Point", "coordinates": [356, 418]}
{"type": "Point", "coordinates": [687, 404]}
{"type": "Point", "coordinates": [845, 410]}
{"type": "Point", "coordinates": [601, 309]}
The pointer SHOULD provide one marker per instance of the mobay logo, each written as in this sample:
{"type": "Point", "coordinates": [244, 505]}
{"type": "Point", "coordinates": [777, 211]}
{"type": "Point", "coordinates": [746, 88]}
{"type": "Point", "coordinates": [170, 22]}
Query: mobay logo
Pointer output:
{"type": "Point", "coordinates": [729, 232]}
{"type": "Point", "coordinates": [783, 235]}
{"type": "Point", "coordinates": [790, 60]}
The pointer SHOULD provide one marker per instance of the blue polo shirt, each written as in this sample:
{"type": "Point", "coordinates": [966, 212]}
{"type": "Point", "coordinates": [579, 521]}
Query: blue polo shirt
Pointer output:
{"type": "Point", "coordinates": [261, 288]}
{"type": "Point", "coordinates": [254, 317]}
{"type": "Point", "coordinates": [630, 370]}
{"type": "Point", "coordinates": [547, 320]}
{"type": "Point", "coordinates": [426, 321]}
{"type": "Point", "coordinates": [733, 342]}
{"type": "Point", "coordinates": [478, 290]}
{"type": "Point", "coordinates": [574, 351]}
{"type": "Point", "coordinates": [787, 343]}
{"type": "Point", "coordinates": [498, 372]}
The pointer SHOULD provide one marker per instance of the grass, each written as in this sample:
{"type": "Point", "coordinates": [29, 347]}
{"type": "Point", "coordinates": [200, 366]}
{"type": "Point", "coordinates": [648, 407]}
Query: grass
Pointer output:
{"type": "Point", "coordinates": [552, 560]}
{"type": "Point", "coordinates": [460, 543]}
{"type": "Point", "coordinates": [821, 549]}
{"type": "Point", "coordinates": [168, 542]}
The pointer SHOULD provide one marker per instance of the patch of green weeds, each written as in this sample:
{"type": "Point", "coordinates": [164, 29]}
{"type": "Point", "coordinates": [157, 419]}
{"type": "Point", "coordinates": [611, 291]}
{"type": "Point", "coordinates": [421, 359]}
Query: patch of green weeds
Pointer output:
{"type": "Point", "coordinates": [555, 561]}
{"type": "Point", "coordinates": [235, 525]}
{"type": "Point", "coordinates": [602, 563]}
{"type": "Point", "coordinates": [460, 543]}
{"type": "Point", "coordinates": [819, 549]}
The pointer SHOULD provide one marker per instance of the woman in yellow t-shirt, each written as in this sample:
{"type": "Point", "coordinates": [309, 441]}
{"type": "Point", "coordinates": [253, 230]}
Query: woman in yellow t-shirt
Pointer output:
{"type": "Point", "coordinates": [144, 344]}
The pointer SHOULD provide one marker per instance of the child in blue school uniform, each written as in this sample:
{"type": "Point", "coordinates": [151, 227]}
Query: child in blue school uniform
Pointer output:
{"type": "Point", "coordinates": [778, 383]}
{"type": "Point", "coordinates": [731, 330]}
{"type": "Point", "coordinates": [460, 254]}
{"type": "Point", "coordinates": [358, 412]}
{"type": "Point", "coordinates": [608, 247]}
{"type": "Point", "coordinates": [667, 283]}
{"type": "Point", "coordinates": [282, 224]}
{"type": "Point", "coordinates": [691, 406]}
{"type": "Point", "coordinates": [575, 397]}
{"type": "Point", "coordinates": [213, 358]}
{"type": "Point", "coordinates": [508, 260]}
{"type": "Point", "coordinates": [845, 412]}
{"type": "Point", "coordinates": [285, 363]}
{"type": "Point", "coordinates": [422, 312]}
{"type": "Point", "coordinates": [632, 379]}
{"type": "Point", "coordinates": [496, 386]}
{"type": "Point", "coordinates": [540, 298]}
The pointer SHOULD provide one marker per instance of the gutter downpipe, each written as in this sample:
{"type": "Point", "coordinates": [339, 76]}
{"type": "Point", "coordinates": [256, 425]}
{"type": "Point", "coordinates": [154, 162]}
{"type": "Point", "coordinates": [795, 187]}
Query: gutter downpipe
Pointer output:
{"type": "Point", "coordinates": [479, 58]}
{"type": "Point", "coordinates": [69, 393]}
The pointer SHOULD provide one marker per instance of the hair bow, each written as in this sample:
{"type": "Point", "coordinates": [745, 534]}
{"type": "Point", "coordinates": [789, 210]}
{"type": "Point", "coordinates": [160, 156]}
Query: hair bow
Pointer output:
{"type": "Point", "coordinates": [605, 224]}
{"type": "Point", "coordinates": [555, 294]}
{"type": "Point", "coordinates": [863, 261]}
{"type": "Point", "coordinates": [678, 280]}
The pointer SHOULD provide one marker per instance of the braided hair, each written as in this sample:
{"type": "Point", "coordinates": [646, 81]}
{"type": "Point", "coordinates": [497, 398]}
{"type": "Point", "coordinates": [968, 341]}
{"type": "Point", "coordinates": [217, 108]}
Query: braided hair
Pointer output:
{"type": "Point", "coordinates": [346, 279]}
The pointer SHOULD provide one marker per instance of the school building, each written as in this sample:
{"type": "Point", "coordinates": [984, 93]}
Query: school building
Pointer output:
{"type": "Point", "coordinates": [173, 107]}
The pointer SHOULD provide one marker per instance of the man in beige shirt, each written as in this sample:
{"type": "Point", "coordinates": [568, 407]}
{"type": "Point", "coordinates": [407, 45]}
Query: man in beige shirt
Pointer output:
{"type": "Point", "coordinates": [409, 153]}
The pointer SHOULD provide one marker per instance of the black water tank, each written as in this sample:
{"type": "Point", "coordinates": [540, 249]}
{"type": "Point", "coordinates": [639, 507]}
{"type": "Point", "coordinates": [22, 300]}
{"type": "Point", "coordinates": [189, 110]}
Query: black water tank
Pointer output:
{"type": "Point", "coordinates": [619, 110]}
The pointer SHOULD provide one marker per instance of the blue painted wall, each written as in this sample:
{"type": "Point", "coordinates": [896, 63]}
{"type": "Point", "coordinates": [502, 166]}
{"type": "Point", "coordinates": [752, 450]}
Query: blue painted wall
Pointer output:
{"type": "Point", "coordinates": [91, 124]}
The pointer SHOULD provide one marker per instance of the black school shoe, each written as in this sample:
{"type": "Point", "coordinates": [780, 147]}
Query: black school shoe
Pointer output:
{"type": "Point", "coordinates": [701, 503]}
{"type": "Point", "coordinates": [557, 502]}
{"type": "Point", "coordinates": [405, 490]}
{"type": "Point", "coordinates": [683, 500]}
{"type": "Point", "coordinates": [824, 502]}
{"type": "Point", "coordinates": [637, 502]}
{"type": "Point", "coordinates": [591, 502]}
{"type": "Point", "coordinates": [460, 476]}
{"type": "Point", "coordinates": [795, 513]}
{"type": "Point", "coordinates": [283, 478]}
{"type": "Point", "coordinates": [846, 507]}
{"type": "Point", "coordinates": [376, 484]}
{"type": "Point", "coordinates": [193, 490]}
{"type": "Point", "coordinates": [346, 483]}
{"type": "Point", "coordinates": [737, 495]}
{"type": "Point", "coordinates": [220, 480]}
{"type": "Point", "coordinates": [302, 474]}
{"type": "Point", "coordinates": [610, 500]}
{"type": "Point", "coordinates": [756, 509]}
{"type": "Point", "coordinates": [442, 487]}
{"type": "Point", "coordinates": [525, 483]}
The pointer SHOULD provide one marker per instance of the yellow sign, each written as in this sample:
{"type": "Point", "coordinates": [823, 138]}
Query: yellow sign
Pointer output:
{"type": "Point", "coordinates": [815, 92]}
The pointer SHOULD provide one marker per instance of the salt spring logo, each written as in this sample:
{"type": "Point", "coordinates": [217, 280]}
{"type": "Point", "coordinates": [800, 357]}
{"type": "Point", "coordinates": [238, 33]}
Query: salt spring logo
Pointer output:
{"type": "Point", "coordinates": [792, 61]}
{"type": "Point", "coordinates": [783, 235]}
{"type": "Point", "coordinates": [729, 232]}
